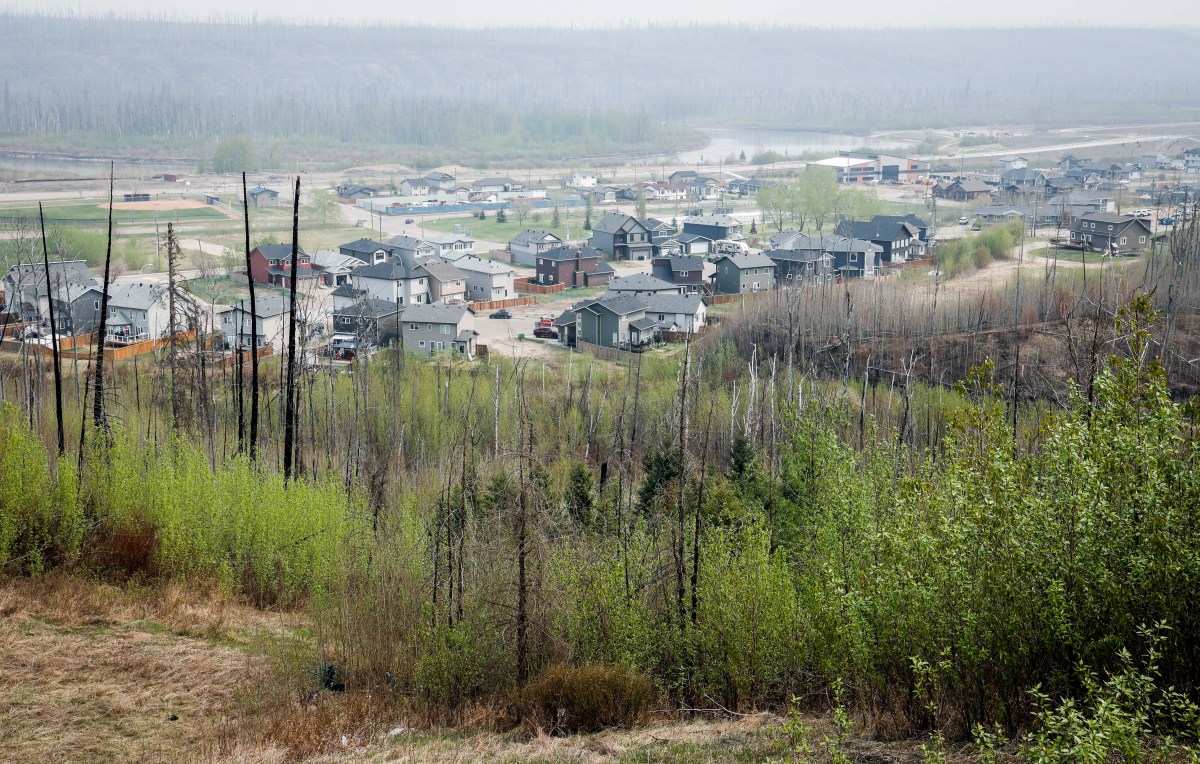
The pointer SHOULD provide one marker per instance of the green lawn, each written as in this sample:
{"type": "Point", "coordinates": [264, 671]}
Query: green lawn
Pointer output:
{"type": "Point", "coordinates": [490, 230]}
{"type": "Point", "coordinates": [97, 212]}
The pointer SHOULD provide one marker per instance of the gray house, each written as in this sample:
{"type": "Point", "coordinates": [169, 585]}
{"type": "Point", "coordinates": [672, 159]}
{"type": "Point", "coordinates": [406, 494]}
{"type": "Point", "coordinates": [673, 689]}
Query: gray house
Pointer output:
{"type": "Point", "coordinates": [714, 227]}
{"type": "Point", "coordinates": [486, 279]}
{"type": "Point", "coordinates": [737, 274]}
{"type": "Point", "coordinates": [411, 246]}
{"type": "Point", "coordinates": [364, 326]}
{"type": "Point", "coordinates": [613, 321]}
{"type": "Point", "coordinates": [27, 297]}
{"type": "Point", "coordinates": [1114, 234]}
{"type": "Point", "coordinates": [367, 250]}
{"type": "Point", "coordinates": [622, 237]}
{"type": "Point", "coordinates": [527, 245]}
{"type": "Point", "coordinates": [801, 260]}
{"type": "Point", "coordinates": [677, 312]}
{"type": "Point", "coordinates": [429, 329]}
{"type": "Point", "coordinates": [681, 270]}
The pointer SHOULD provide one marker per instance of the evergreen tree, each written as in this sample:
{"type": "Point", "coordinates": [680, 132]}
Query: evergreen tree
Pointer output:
{"type": "Point", "coordinates": [500, 216]}
{"type": "Point", "coordinates": [587, 221]}
{"type": "Point", "coordinates": [580, 497]}
{"type": "Point", "coordinates": [482, 214]}
{"type": "Point", "coordinates": [641, 204]}
{"type": "Point", "coordinates": [742, 156]}
{"type": "Point", "coordinates": [753, 227]}
{"type": "Point", "coordinates": [556, 220]}
{"type": "Point", "coordinates": [741, 459]}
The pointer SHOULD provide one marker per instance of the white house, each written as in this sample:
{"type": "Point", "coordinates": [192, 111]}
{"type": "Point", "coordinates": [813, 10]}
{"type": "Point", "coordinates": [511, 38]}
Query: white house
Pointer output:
{"type": "Point", "coordinates": [581, 180]}
{"type": "Point", "coordinates": [451, 246]}
{"type": "Point", "coordinates": [269, 325]}
{"type": "Point", "coordinates": [399, 280]}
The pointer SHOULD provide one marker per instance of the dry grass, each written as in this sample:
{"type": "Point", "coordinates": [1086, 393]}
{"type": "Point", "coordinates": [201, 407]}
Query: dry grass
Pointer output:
{"type": "Point", "coordinates": [92, 672]}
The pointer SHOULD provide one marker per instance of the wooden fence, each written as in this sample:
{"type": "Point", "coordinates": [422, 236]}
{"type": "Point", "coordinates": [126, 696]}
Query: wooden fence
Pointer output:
{"type": "Point", "coordinates": [608, 354]}
{"type": "Point", "coordinates": [511, 302]}
{"type": "Point", "coordinates": [525, 285]}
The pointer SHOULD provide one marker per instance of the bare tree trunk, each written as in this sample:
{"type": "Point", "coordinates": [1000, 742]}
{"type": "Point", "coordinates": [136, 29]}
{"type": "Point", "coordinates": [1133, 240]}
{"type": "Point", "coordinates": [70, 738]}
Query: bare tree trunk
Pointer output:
{"type": "Point", "coordinates": [98, 416]}
{"type": "Point", "coordinates": [58, 404]}
{"type": "Point", "coordinates": [253, 330]}
{"type": "Point", "coordinates": [681, 511]}
{"type": "Point", "coordinates": [289, 423]}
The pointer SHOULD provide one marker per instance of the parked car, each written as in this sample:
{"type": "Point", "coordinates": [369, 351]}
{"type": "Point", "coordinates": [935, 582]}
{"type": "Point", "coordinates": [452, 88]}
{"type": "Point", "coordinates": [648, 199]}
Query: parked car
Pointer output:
{"type": "Point", "coordinates": [545, 333]}
{"type": "Point", "coordinates": [408, 221]}
{"type": "Point", "coordinates": [502, 313]}
{"type": "Point", "coordinates": [963, 220]}
{"type": "Point", "coordinates": [1166, 221]}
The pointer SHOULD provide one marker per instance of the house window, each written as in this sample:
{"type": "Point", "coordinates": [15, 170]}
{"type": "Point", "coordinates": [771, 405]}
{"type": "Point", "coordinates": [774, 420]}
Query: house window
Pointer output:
{"type": "Point", "coordinates": [97, 305]}
{"type": "Point", "coordinates": [1122, 240]}
{"type": "Point", "coordinates": [854, 257]}
{"type": "Point", "coordinates": [445, 328]}
{"type": "Point", "coordinates": [1141, 240]}
{"type": "Point", "coordinates": [421, 343]}
{"type": "Point", "coordinates": [412, 327]}
{"type": "Point", "coordinates": [272, 262]}
{"type": "Point", "coordinates": [346, 320]}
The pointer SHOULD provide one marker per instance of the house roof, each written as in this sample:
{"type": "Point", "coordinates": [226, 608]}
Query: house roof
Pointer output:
{"type": "Point", "coordinates": [1108, 218]}
{"type": "Point", "coordinates": [370, 307]}
{"type": "Point", "coordinates": [640, 282]}
{"type": "Point", "coordinates": [438, 175]}
{"type": "Point", "coordinates": [67, 272]}
{"type": "Point", "coordinates": [327, 260]}
{"type": "Point", "coordinates": [604, 267]}
{"type": "Point", "coordinates": [407, 242]}
{"type": "Point", "coordinates": [741, 262]}
{"type": "Point", "coordinates": [688, 238]}
{"type": "Point", "coordinates": [135, 295]}
{"type": "Point", "coordinates": [620, 304]}
{"type": "Point", "coordinates": [724, 221]}
{"type": "Point", "coordinates": [613, 222]}
{"type": "Point", "coordinates": [279, 251]}
{"type": "Point", "coordinates": [879, 228]}
{"type": "Point", "coordinates": [529, 236]}
{"type": "Point", "coordinates": [478, 265]}
{"type": "Point", "coordinates": [674, 303]}
{"type": "Point", "coordinates": [684, 262]}
{"type": "Point", "coordinates": [263, 190]}
{"type": "Point", "coordinates": [391, 269]}
{"type": "Point", "coordinates": [447, 238]}
{"type": "Point", "coordinates": [497, 181]}
{"type": "Point", "coordinates": [643, 324]}
{"type": "Point", "coordinates": [366, 246]}
{"type": "Point", "coordinates": [267, 306]}
{"type": "Point", "coordinates": [566, 319]}
{"type": "Point", "coordinates": [570, 252]}
{"type": "Point", "coordinates": [436, 313]}
{"type": "Point", "coordinates": [654, 224]}
{"type": "Point", "coordinates": [349, 290]}
{"type": "Point", "coordinates": [443, 271]}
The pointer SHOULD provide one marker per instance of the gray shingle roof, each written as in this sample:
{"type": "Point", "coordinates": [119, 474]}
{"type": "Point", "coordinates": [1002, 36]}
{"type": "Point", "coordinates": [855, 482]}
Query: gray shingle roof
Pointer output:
{"type": "Point", "coordinates": [529, 236]}
{"type": "Point", "coordinates": [571, 252]}
{"type": "Point", "coordinates": [674, 303]}
{"type": "Point", "coordinates": [443, 271]}
{"type": "Point", "coordinates": [613, 222]}
{"type": "Point", "coordinates": [621, 304]}
{"type": "Point", "coordinates": [370, 307]}
{"type": "Point", "coordinates": [279, 251]}
{"type": "Point", "coordinates": [640, 282]}
{"type": "Point", "coordinates": [741, 262]}
{"type": "Point", "coordinates": [436, 313]}
{"type": "Point", "coordinates": [478, 265]}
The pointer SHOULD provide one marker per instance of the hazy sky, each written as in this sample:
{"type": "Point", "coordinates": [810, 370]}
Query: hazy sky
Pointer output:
{"type": "Point", "coordinates": [614, 12]}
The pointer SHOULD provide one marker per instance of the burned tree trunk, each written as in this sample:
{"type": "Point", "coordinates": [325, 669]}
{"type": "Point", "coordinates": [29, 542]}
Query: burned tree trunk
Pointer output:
{"type": "Point", "coordinates": [289, 423]}
{"type": "Point", "coordinates": [98, 415]}
{"type": "Point", "coordinates": [58, 404]}
{"type": "Point", "coordinates": [253, 331]}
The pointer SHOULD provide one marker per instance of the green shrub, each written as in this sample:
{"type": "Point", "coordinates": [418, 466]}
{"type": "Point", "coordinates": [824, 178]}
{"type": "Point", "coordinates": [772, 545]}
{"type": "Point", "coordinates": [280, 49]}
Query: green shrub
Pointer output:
{"type": "Point", "coordinates": [585, 699]}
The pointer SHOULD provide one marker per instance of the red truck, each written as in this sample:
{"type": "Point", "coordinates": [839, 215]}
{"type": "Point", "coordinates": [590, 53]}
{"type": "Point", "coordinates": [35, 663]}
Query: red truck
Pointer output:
{"type": "Point", "coordinates": [543, 328]}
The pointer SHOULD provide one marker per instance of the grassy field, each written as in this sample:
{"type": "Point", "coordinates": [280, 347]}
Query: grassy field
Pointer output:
{"type": "Point", "coordinates": [571, 225]}
{"type": "Point", "coordinates": [97, 212]}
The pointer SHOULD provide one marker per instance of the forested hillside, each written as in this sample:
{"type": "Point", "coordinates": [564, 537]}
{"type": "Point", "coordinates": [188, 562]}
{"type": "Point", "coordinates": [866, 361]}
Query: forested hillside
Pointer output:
{"type": "Point", "coordinates": [156, 83]}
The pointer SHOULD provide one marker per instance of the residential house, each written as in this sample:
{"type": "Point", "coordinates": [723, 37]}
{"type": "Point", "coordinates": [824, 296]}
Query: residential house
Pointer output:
{"type": "Point", "coordinates": [600, 194]}
{"type": "Point", "coordinates": [417, 187]}
{"type": "Point", "coordinates": [348, 294]}
{"type": "Point", "coordinates": [641, 285]}
{"type": "Point", "coordinates": [450, 246]}
{"type": "Point", "coordinates": [1191, 161]}
{"type": "Point", "coordinates": [963, 190]}
{"type": "Point", "coordinates": [497, 185]}
{"type": "Point", "coordinates": [142, 311]}
{"type": "Point", "coordinates": [28, 297]}
{"type": "Point", "coordinates": [1024, 177]}
{"type": "Point", "coordinates": [746, 186]}
{"type": "Point", "coordinates": [400, 279]}
{"type": "Point", "coordinates": [612, 320]}
{"type": "Point", "coordinates": [703, 189]}
{"type": "Point", "coordinates": [526, 246]}
{"type": "Point", "coordinates": [352, 192]}
{"type": "Point", "coordinates": [268, 325]}
{"type": "Point", "coordinates": [271, 264]}
{"type": "Point", "coordinates": [364, 326]}
{"type": "Point", "coordinates": [573, 267]}
{"type": "Point", "coordinates": [1113, 234]}
{"type": "Point", "coordinates": [737, 274]}
{"type": "Point", "coordinates": [410, 246]}
{"type": "Point", "coordinates": [443, 181]}
{"type": "Point", "coordinates": [366, 250]}
{"type": "Point", "coordinates": [446, 282]}
{"type": "Point", "coordinates": [1071, 162]}
{"type": "Point", "coordinates": [854, 258]}
{"type": "Point", "coordinates": [682, 176]}
{"type": "Point", "coordinates": [1013, 163]}
{"type": "Point", "coordinates": [1156, 161]}
{"type": "Point", "coordinates": [580, 180]}
{"type": "Point", "coordinates": [486, 279]}
{"type": "Point", "coordinates": [898, 238]}
{"type": "Point", "coordinates": [261, 196]}
{"type": "Point", "coordinates": [801, 260]}
{"type": "Point", "coordinates": [681, 270]}
{"type": "Point", "coordinates": [713, 227]}
{"type": "Point", "coordinates": [333, 268]}
{"type": "Point", "coordinates": [689, 244]}
{"type": "Point", "coordinates": [429, 329]}
{"type": "Point", "coordinates": [677, 312]}
{"type": "Point", "coordinates": [664, 192]}
{"type": "Point", "coordinates": [622, 237]}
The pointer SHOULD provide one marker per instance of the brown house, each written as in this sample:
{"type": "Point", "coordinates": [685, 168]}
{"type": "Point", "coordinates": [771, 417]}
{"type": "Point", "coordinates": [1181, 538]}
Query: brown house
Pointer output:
{"type": "Point", "coordinates": [963, 190]}
{"type": "Point", "coordinates": [573, 266]}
